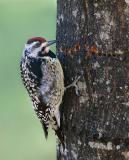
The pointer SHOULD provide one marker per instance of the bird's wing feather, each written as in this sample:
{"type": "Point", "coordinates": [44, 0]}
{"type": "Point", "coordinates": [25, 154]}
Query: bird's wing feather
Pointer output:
{"type": "Point", "coordinates": [34, 73]}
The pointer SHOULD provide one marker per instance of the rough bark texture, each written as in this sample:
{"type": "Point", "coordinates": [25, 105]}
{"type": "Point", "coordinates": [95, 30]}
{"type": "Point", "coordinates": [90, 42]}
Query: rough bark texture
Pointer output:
{"type": "Point", "coordinates": [93, 42]}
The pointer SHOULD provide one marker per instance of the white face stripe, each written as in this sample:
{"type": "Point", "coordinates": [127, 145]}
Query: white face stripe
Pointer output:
{"type": "Point", "coordinates": [29, 46]}
{"type": "Point", "coordinates": [44, 44]}
{"type": "Point", "coordinates": [46, 49]}
{"type": "Point", "coordinates": [32, 51]}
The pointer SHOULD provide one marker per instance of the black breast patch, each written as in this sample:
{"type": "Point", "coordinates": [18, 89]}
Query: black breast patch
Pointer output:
{"type": "Point", "coordinates": [35, 67]}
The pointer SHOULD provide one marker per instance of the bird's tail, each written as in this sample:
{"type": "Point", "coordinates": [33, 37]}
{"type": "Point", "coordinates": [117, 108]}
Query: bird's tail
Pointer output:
{"type": "Point", "coordinates": [58, 131]}
{"type": "Point", "coordinates": [60, 135]}
{"type": "Point", "coordinates": [45, 128]}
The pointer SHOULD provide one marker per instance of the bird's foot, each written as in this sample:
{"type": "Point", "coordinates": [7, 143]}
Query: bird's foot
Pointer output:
{"type": "Point", "coordinates": [74, 84]}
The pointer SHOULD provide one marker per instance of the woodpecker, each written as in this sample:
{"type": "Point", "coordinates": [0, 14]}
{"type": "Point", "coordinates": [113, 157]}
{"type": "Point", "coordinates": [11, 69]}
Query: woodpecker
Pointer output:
{"type": "Point", "coordinates": [43, 77]}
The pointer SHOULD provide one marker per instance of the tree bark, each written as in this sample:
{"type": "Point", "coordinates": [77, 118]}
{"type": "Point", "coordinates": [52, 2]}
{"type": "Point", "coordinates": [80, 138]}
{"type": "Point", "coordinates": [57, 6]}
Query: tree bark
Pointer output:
{"type": "Point", "coordinates": [93, 42]}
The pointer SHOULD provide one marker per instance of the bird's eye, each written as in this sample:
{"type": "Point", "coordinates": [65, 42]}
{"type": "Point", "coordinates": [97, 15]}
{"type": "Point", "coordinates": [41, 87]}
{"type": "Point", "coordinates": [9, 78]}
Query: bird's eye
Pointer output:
{"type": "Point", "coordinates": [43, 49]}
{"type": "Point", "coordinates": [40, 54]}
{"type": "Point", "coordinates": [37, 45]}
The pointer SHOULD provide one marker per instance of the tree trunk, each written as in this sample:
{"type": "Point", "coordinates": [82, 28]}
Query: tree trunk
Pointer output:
{"type": "Point", "coordinates": [93, 42]}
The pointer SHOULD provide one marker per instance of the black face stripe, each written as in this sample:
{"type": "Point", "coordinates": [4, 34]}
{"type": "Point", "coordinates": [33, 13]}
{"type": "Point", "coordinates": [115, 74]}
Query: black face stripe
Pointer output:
{"type": "Point", "coordinates": [37, 45]}
{"type": "Point", "coordinates": [49, 54]}
{"type": "Point", "coordinates": [26, 52]}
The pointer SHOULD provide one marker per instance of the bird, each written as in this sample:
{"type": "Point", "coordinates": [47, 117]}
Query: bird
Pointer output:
{"type": "Point", "coordinates": [43, 77]}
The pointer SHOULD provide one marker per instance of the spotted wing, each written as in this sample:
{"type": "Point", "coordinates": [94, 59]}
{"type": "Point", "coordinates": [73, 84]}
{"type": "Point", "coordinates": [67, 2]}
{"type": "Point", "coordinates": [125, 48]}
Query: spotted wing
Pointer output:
{"type": "Point", "coordinates": [31, 75]}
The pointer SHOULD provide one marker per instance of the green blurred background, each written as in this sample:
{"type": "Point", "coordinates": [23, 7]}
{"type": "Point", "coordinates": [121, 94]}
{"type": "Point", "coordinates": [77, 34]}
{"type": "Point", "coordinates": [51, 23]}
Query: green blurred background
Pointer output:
{"type": "Point", "coordinates": [21, 135]}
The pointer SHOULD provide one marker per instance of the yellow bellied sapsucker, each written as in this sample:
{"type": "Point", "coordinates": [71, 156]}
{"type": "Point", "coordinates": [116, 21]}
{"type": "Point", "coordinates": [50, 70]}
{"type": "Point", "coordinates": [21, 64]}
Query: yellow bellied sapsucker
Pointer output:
{"type": "Point", "coordinates": [43, 78]}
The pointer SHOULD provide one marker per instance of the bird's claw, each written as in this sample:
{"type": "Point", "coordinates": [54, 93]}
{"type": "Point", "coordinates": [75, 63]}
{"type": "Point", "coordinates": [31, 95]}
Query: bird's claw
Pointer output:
{"type": "Point", "coordinates": [74, 84]}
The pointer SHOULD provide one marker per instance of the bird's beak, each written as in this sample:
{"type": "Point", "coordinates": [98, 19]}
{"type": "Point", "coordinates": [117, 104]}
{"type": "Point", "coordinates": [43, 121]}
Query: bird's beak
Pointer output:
{"type": "Point", "coordinates": [49, 43]}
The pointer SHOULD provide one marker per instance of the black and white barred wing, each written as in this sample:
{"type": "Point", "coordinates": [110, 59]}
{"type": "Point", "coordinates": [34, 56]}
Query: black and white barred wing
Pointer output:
{"type": "Point", "coordinates": [31, 74]}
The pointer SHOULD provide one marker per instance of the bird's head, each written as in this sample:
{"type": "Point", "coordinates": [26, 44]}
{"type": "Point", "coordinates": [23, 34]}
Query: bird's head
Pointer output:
{"type": "Point", "coordinates": [37, 47]}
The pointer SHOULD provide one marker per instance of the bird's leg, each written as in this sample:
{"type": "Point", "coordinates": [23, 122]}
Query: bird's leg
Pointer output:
{"type": "Point", "coordinates": [74, 84]}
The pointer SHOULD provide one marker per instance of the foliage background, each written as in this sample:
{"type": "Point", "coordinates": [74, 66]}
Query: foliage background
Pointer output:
{"type": "Point", "coordinates": [21, 135]}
